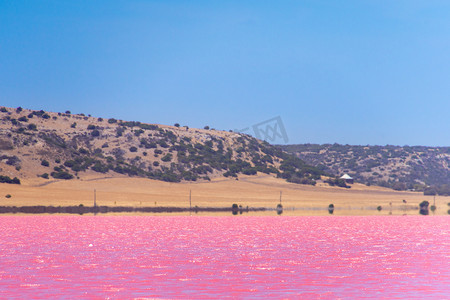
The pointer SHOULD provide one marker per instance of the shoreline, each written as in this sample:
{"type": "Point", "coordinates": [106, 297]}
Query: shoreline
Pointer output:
{"type": "Point", "coordinates": [81, 209]}
{"type": "Point", "coordinates": [234, 210]}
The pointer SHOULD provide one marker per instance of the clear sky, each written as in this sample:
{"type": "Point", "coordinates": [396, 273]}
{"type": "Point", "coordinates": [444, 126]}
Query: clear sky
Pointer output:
{"type": "Point", "coordinates": [351, 72]}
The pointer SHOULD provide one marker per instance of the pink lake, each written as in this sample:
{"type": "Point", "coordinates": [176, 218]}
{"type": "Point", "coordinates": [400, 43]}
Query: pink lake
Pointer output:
{"type": "Point", "coordinates": [133, 257]}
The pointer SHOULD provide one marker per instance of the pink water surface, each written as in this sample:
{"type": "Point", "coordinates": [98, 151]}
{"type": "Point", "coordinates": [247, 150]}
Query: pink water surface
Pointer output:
{"type": "Point", "coordinates": [126, 257]}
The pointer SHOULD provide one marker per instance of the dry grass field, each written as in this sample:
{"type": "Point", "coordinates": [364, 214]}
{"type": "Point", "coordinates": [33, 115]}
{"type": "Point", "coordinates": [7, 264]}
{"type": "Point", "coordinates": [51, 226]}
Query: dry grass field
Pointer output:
{"type": "Point", "coordinates": [252, 191]}
{"type": "Point", "coordinates": [59, 138]}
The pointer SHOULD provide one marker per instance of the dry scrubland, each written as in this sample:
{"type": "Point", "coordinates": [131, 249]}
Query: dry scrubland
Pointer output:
{"type": "Point", "coordinates": [254, 191]}
{"type": "Point", "coordinates": [99, 154]}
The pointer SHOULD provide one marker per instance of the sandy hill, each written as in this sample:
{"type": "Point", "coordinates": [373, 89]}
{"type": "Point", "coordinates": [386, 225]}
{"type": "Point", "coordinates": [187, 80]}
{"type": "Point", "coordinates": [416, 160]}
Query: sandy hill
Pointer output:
{"type": "Point", "coordinates": [66, 146]}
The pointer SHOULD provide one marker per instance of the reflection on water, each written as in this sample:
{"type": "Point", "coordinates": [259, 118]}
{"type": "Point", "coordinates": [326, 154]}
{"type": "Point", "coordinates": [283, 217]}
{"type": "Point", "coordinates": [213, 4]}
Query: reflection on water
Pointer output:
{"type": "Point", "coordinates": [279, 209]}
{"type": "Point", "coordinates": [331, 208]}
{"type": "Point", "coordinates": [235, 209]}
{"type": "Point", "coordinates": [424, 208]}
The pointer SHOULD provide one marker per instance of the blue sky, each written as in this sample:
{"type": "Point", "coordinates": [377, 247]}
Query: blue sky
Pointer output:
{"type": "Point", "coordinates": [351, 72]}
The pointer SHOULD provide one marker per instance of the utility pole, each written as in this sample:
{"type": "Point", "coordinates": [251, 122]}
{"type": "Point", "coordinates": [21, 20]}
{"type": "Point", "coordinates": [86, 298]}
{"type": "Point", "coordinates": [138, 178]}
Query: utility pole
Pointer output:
{"type": "Point", "coordinates": [95, 198]}
{"type": "Point", "coordinates": [190, 200]}
{"type": "Point", "coordinates": [280, 196]}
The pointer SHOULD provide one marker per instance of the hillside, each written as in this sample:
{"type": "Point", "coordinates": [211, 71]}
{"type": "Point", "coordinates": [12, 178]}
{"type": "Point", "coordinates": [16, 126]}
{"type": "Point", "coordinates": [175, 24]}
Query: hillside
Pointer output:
{"type": "Point", "coordinates": [69, 146]}
{"type": "Point", "coordinates": [416, 168]}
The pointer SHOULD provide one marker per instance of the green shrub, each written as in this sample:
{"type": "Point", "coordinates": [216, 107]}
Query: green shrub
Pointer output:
{"type": "Point", "coordinates": [45, 175]}
{"type": "Point", "coordinates": [119, 131]}
{"type": "Point", "coordinates": [32, 127]}
{"type": "Point", "coordinates": [163, 144]}
{"type": "Point", "coordinates": [249, 171]}
{"type": "Point", "coordinates": [100, 167]}
{"type": "Point", "coordinates": [112, 121]}
{"type": "Point", "coordinates": [7, 179]}
{"type": "Point", "coordinates": [45, 163]}
{"type": "Point", "coordinates": [133, 149]}
{"type": "Point", "coordinates": [167, 157]}
{"type": "Point", "coordinates": [337, 182]}
{"type": "Point", "coordinates": [83, 151]}
{"type": "Point", "coordinates": [8, 196]}
{"type": "Point", "coordinates": [95, 133]}
{"type": "Point", "coordinates": [61, 175]}
{"type": "Point", "coordinates": [23, 119]}
{"type": "Point", "coordinates": [74, 124]}
{"type": "Point", "coordinates": [138, 132]}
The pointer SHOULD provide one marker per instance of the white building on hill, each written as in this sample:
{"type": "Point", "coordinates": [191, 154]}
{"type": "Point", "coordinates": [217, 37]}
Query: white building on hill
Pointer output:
{"type": "Point", "coordinates": [347, 178]}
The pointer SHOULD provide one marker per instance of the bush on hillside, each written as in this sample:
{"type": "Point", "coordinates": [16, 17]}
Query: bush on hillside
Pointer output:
{"type": "Point", "coordinates": [95, 133]}
{"type": "Point", "coordinates": [167, 157]}
{"type": "Point", "coordinates": [32, 127]}
{"type": "Point", "coordinates": [7, 179]}
{"type": "Point", "coordinates": [61, 175]}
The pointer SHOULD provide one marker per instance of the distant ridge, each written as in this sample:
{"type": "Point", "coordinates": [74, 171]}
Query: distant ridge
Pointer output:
{"type": "Point", "coordinates": [418, 168]}
{"type": "Point", "coordinates": [68, 146]}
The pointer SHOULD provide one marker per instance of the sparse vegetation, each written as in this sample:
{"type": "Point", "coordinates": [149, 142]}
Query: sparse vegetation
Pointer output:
{"type": "Point", "coordinates": [95, 133]}
{"type": "Point", "coordinates": [61, 175]}
{"type": "Point", "coordinates": [177, 155]}
{"type": "Point", "coordinates": [337, 182]}
{"type": "Point", "coordinates": [167, 157]}
{"type": "Point", "coordinates": [32, 127]}
{"type": "Point", "coordinates": [415, 168]}
{"type": "Point", "coordinates": [7, 179]}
